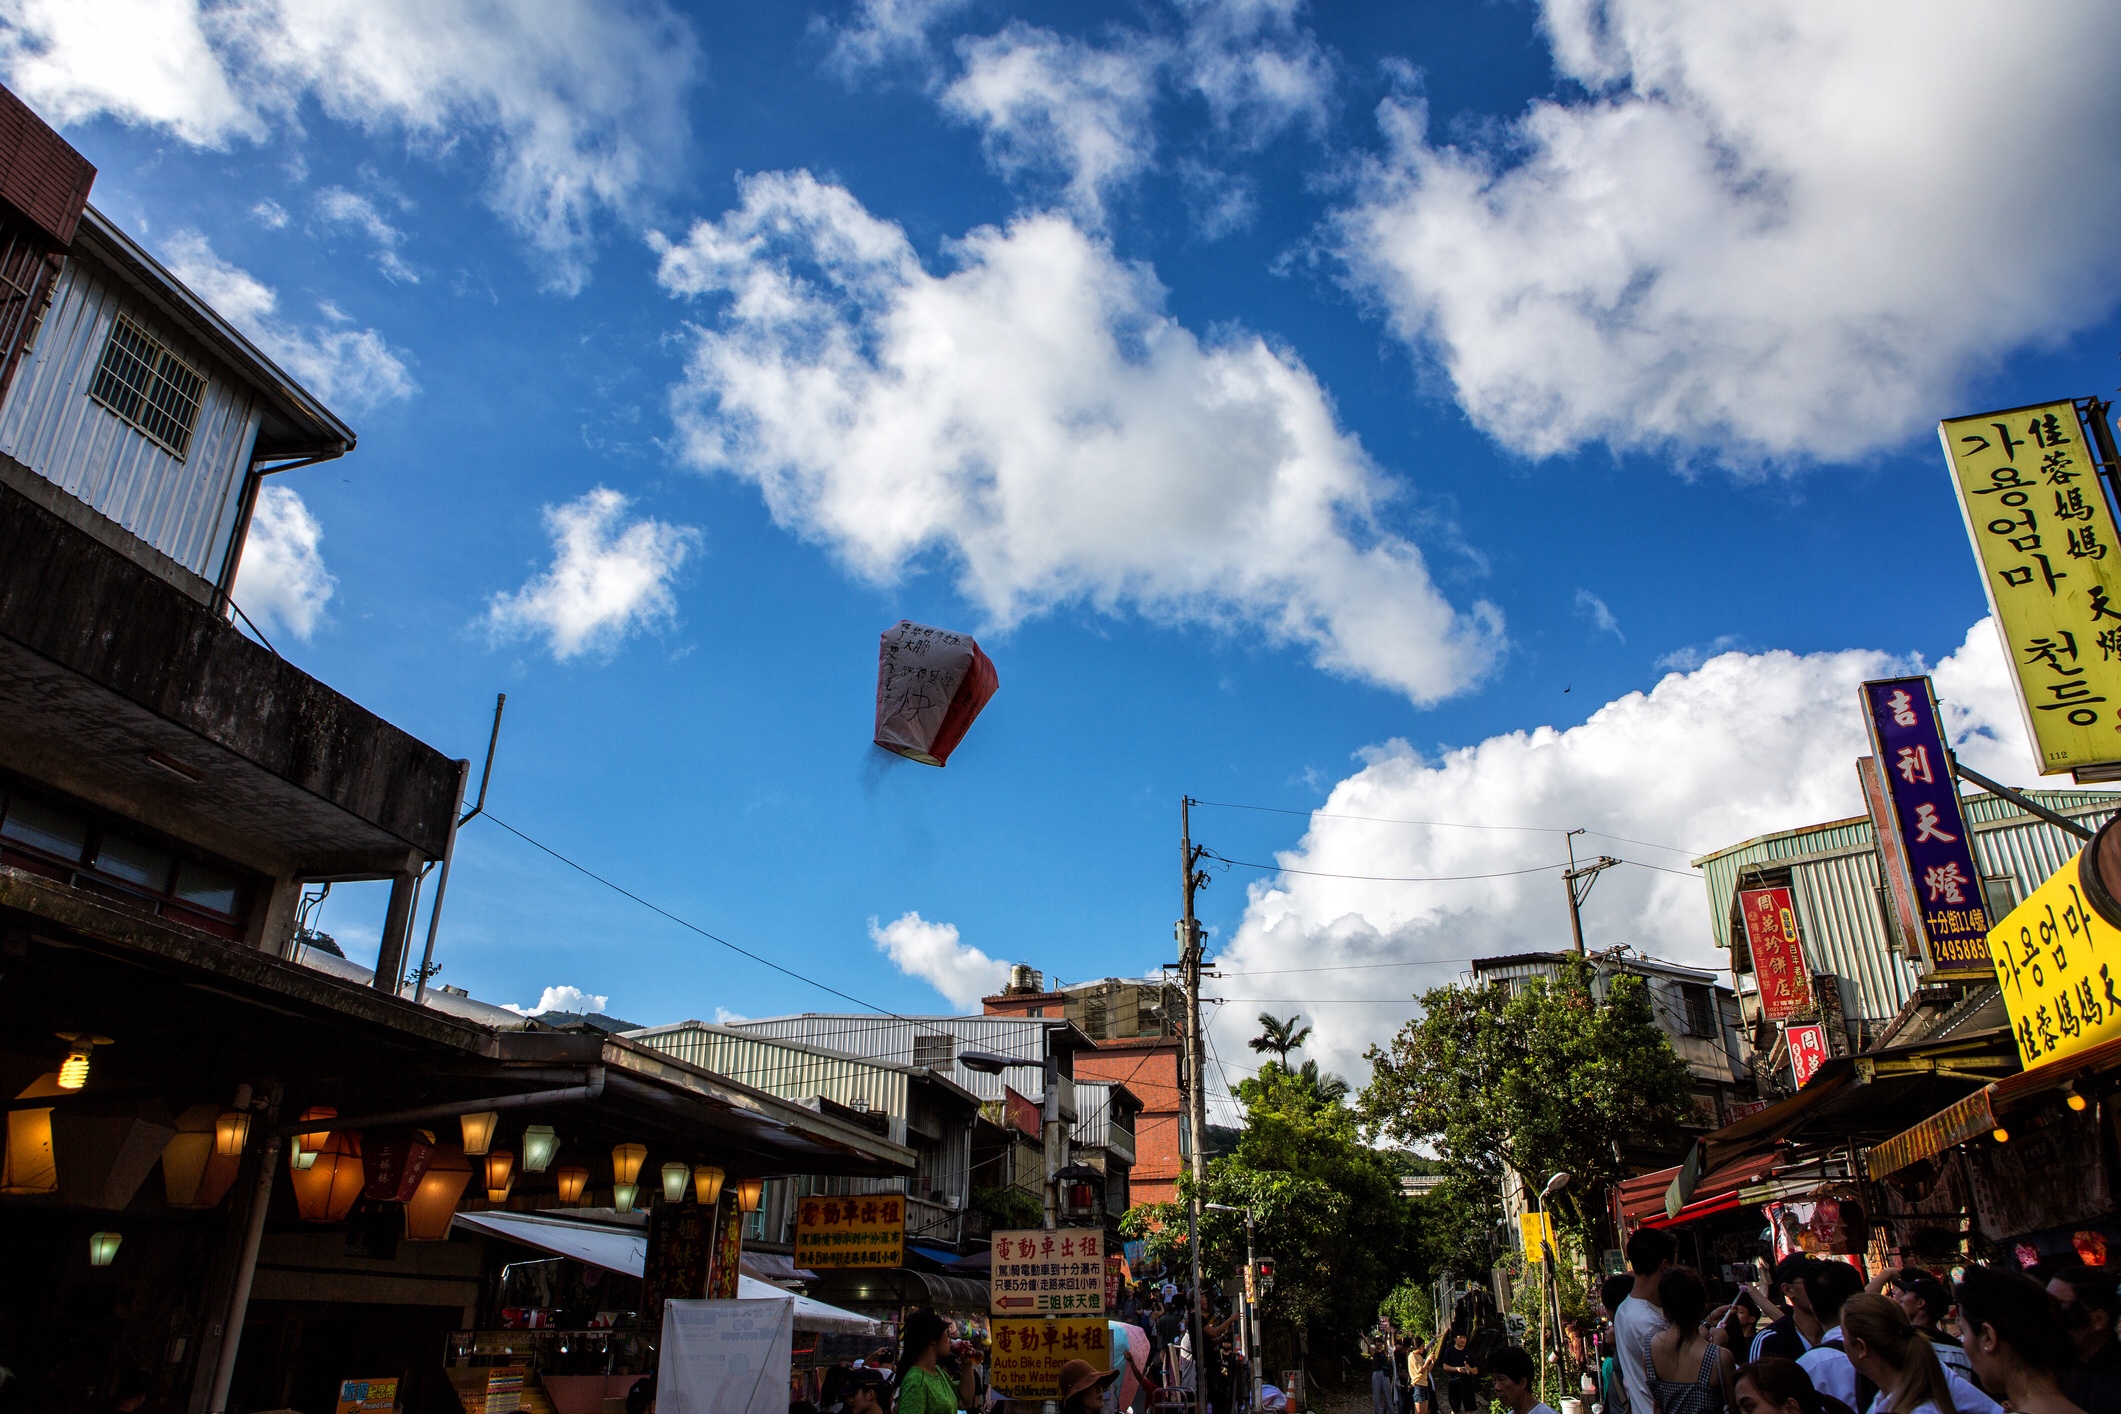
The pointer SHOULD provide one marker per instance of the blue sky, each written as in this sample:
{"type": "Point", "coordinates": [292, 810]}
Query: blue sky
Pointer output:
{"type": "Point", "coordinates": [1535, 360]}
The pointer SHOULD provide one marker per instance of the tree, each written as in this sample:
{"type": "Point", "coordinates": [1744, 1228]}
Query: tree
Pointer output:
{"type": "Point", "coordinates": [1541, 1079]}
{"type": "Point", "coordinates": [1329, 1087]}
{"type": "Point", "coordinates": [1279, 1035]}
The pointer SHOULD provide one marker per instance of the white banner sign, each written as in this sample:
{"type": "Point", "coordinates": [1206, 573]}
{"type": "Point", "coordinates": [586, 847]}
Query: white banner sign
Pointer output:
{"type": "Point", "coordinates": [725, 1357]}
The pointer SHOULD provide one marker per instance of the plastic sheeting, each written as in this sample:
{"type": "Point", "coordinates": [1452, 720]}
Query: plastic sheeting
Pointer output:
{"type": "Point", "coordinates": [725, 1357]}
{"type": "Point", "coordinates": [930, 684]}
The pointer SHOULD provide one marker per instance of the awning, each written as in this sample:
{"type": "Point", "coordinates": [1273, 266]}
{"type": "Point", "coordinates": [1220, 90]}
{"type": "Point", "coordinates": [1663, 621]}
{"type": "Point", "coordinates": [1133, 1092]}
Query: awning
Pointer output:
{"type": "Point", "coordinates": [1642, 1197]}
{"type": "Point", "coordinates": [1982, 1111]}
{"type": "Point", "coordinates": [625, 1250]}
{"type": "Point", "coordinates": [773, 1267]}
{"type": "Point", "coordinates": [901, 1286]}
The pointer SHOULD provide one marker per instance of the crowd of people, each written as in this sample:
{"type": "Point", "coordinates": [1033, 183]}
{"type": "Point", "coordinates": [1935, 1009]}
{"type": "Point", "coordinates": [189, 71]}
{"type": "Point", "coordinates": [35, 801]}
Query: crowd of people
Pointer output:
{"type": "Point", "coordinates": [1817, 1339]}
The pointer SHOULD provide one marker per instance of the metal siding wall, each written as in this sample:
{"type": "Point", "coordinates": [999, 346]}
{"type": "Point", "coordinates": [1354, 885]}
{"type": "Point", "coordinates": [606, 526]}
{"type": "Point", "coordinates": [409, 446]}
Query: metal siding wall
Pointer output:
{"type": "Point", "coordinates": [1843, 933]}
{"type": "Point", "coordinates": [889, 1039]}
{"type": "Point", "coordinates": [186, 509]}
{"type": "Point", "coordinates": [791, 1074]}
{"type": "Point", "coordinates": [2032, 850]}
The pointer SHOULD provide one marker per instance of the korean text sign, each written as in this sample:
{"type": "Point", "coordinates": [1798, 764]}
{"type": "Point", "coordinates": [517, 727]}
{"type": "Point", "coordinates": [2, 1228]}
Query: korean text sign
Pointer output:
{"type": "Point", "coordinates": [2056, 962]}
{"type": "Point", "coordinates": [1028, 1354]}
{"type": "Point", "coordinates": [1038, 1271]}
{"type": "Point", "coordinates": [1807, 1052]}
{"type": "Point", "coordinates": [2044, 534]}
{"type": "Point", "coordinates": [857, 1230]}
{"type": "Point", "coordinates": [1932, 840]}
{"type": "Point", "coordinates": [1778, 961]}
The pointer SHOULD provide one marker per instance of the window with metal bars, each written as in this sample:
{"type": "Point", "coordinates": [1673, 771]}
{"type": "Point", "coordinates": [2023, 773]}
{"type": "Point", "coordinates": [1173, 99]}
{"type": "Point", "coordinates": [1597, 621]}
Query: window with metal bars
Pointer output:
{"type": "Point", "coordinates": [143, 382]}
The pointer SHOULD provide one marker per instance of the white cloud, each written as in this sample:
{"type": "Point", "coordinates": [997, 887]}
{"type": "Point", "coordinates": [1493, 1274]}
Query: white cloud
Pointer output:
{"type": "Point", "coordinates": [1771, 231]}
{"type": "Point", "coordinates": [353, 369]}
{"type": "Point", "coordinates": [282, 580]}
{"type": "Point", "coordinates": [270, 214]}
{"type": "Point", "coordinates": [884, 33]}
{"type": "Point", "coordinates": [572, 999]}
{"type": "Point", "coordinates": [1591, 607]}
{"type": "Point", "coordinates": [341, 207]}
{"type": "Point", "coordinates": [608, 578]}
{"type": "Point", "coordinates": [1259, 70]}
{"type": "Point", "coordinates": [723, 1016]}
{"type": "Point", "coordinates": [1743, 745]}
{"type": "Point", "coordinates": [1035, 415]}
{"type": "Point", "coordinates": [932, 952]}
{"type": "Point", "coordinates": [1054, 104]}
{"type": "Point", "coordinates": [581, 103]}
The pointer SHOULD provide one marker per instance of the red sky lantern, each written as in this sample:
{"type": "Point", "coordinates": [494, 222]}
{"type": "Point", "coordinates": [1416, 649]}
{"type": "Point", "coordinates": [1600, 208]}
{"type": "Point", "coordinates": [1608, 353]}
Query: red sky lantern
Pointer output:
{"type": "Point", "coordinates": [930, 684]}
{"type": "Point", "coordinates": [395, 1160]}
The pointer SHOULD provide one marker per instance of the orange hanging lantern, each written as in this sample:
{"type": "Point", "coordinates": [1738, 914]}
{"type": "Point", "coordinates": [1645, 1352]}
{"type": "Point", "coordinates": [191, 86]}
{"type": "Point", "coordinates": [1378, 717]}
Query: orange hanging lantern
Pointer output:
{"type": "Point", "coordinates": [326, 1190]}
{"type": "Point", "coordinates": [395, 1161]}
{"type": "Point", "coordinates": [573, 1179]}
{"type": "Point", "coordinates": [433, 1204]}
{"type": "Point", "coordinates": [500, 1175]}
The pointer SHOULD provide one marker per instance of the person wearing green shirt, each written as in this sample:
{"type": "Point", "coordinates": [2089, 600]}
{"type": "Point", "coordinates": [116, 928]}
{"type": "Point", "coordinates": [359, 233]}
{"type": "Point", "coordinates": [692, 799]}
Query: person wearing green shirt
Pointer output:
{"type": "Point", "coordinates": [922, 1388]}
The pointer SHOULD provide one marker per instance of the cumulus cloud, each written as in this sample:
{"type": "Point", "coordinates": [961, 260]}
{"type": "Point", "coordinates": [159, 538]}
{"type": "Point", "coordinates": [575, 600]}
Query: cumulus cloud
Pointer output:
{"type": "Point", "coordinates": [1258, 68]}
{"type": "Point", "coordinates": [1053, 104]}
{"type": "Point", "coordinates": [1036, 416]}
{"type": "Point", "coordinates": [886, 33]}
{"type": "Point", "coordinates": [352, 369]}
{"type": "Point", "coordinates": [1769, 232]}
{"type": "Point", "coordinates": [340, 207]}
{"type": "Point", "coordinates": [572, 999]}
{"type": "Point", "coordinates": [1742, 745]}
{"type": "Point", "coordinates": [281, 580]}
{"type": "Point", "coordinates": [580, 103]}
{"type": "Point", "coordinates": [932, 952]}
{"type": "Point", "coordinates": [608, 579]}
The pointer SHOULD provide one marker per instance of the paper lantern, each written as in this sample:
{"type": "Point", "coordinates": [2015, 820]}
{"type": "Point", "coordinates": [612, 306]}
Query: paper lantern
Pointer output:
{"type": "Point", "coordinates": [930, 684]}
{"type": "Point", "coordinates": [303, 1153]}
{"type": "Point", "coordinates": [500, 1175]}
{"type": "Point", "coordinates": [326, 1190]}
{"type": "Point", "coordinates": [676, 1179]}
{"type": "Point", "coordinates": [433, 1204]}
{"type": "Point", "coordinates": [478, 1131]}
{"type": "Point", "coordinates": [395, 1160]}
{"type": "Point", "coordinates": [30, 1166]}
{"type": "Point", "coordinates": [231, 1132]}
{"type": "Point", "coordinates": [748, 1193]}
{"type": "Point", "coordinates": [103, 1247]}
{"type": "Point", "coordinates": [707, 1184]}
{"type": "Point", "coordinates": [626, 1161]}
{"type": "Point", "coordinates": [573, 1180]}
{"type": "Point", "coordinates": [622, 1197]}
{"type": "Point", "coordinates": [540, 1145]}
{"type": "Point", "coordinates": [193, 1175]}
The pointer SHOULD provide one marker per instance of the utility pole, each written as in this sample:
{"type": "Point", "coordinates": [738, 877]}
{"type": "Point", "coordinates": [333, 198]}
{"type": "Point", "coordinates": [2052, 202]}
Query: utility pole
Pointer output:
{"type": "Point", "coordinates": [1586, 875]}
{"type": "Point", "coordinates": [1189, 957]}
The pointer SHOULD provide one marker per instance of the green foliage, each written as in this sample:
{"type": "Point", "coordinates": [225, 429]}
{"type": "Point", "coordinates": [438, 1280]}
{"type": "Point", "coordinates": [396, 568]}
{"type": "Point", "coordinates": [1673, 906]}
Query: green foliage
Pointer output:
{"type": "Point", "coordinates": [1279, 1035]}
{"type": "Point", "coordinates": [1008, 1206]}
{"type": "Point", "coordinates": [1539, 1081]}
{"type": "Point", "coordinates": [1410, 1307]}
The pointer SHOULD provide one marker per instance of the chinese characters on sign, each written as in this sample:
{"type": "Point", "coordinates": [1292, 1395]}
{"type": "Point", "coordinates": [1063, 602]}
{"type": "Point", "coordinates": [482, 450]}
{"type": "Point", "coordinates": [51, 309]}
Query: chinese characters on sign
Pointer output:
{"type": "Point", "coordinates": [1040, 1271]}
{"type": "Point", "coordinates": [1028, 1354]}
{"type": "Point", "coordinates": [856, 1230]}
{"type": "Point", "coordinates": [2057, 963]}
{"type": "Point", "coordinates": [1778, 962]}
{"type": "Point", "coordinates": [2045, 537]}
{"type": "Point", "coordinates": [1807, 1052]}
{"type": "Point", "coordinates": [1931, 843]}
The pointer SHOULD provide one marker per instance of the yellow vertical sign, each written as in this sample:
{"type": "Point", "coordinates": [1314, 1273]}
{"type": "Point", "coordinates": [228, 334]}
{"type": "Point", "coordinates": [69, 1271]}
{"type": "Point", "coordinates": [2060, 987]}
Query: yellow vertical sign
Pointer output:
{"type": "Point", "coordinates": [2050, 554]}
{"type": "Point", "coordinates": [1537, 1231]}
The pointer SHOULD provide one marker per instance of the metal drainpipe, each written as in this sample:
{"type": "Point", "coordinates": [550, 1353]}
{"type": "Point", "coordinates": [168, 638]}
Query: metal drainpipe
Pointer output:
{"type": "Point", "coordinates": [246, 1268]}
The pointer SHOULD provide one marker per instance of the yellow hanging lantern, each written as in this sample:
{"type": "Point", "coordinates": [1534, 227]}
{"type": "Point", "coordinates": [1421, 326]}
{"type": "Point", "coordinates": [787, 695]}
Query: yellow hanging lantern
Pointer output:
{"type": "Point", "coordinates": [478, 1131]}
{"type": "Point", "coordinates": [231, 1132]}
{"type": "Point", "coordinates": [325, 1191]}
{"type": "Point", "coordinates": [626, 1161]}
{"type": "Point", "coordinates": [434, 1203]}
{"type": "Point", "coordinates": [500, 1175]}
{"type": "Point", "coordinates": [573, 1180]}
{"type": "Point", "coordinates": [748, 1193]}
{"type": "Point", "coordinates": [707, 1184]}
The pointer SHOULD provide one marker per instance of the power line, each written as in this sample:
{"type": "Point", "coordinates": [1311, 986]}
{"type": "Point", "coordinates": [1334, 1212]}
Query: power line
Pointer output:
{"type": "Point", "coordinates": [1381, 878]}
{"type": "Point", "coordinates": [1440, 824]}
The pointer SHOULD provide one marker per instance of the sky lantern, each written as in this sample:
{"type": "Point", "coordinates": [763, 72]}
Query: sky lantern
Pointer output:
{"type": "Point", "coordinates": [930, 684]}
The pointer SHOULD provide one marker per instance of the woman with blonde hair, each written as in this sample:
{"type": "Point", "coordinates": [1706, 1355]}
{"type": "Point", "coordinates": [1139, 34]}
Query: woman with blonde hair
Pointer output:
{"type": "Point", "coordinates": [1886, 1349]}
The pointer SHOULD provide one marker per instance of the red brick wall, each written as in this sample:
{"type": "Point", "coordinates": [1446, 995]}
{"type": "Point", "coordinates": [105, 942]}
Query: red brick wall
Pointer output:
{"type": "Point", "coordinates": [1151, 1070]}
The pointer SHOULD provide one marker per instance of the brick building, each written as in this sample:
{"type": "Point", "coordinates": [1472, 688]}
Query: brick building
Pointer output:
{"type": "Point", "coordinates": [1134, 1027]}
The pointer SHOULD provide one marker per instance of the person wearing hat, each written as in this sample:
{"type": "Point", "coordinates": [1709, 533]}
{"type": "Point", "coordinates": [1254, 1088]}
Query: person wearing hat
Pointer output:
{"type": "Point", "coordinates": [863, 1392]}
{"type": "Point", "coordinates": [1082, 1387]}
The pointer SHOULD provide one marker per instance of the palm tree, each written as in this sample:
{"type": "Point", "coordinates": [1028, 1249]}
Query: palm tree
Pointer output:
{"type": "Point", "coordinates": [1279, 1035]}
{"type": "Point", "coordinates": [1331, 1089]}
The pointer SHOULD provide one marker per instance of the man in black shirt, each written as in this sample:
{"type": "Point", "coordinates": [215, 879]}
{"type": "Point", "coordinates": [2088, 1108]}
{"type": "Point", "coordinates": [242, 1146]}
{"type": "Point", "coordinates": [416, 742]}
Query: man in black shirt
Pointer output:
{"type": "Point", "coordinates": [1798, 1330]}
{"type": "Point", "coordinates": [2091, 1308]}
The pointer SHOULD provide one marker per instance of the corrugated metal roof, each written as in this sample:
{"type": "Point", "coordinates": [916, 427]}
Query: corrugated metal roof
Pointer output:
{"type": "Point", "coordinates": [892, 1038]}
{"type": "Point", "coordinates": [793, 1072]}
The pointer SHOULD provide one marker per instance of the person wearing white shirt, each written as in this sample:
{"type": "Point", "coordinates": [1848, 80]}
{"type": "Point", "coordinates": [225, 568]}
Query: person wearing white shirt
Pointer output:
{"type": "Point", "coordinates": [1830, 1284]}
{"type": "Point", "coordinates": [1883, 1346]}
{"type": "Point", "coordinates": [1639, 1318]}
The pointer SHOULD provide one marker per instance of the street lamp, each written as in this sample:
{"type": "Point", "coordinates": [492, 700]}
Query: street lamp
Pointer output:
{"type": "Point", "coordinates": [989, 1063]}
{"type": "Point", "coordinates": [1252, 1336]}
{"type": "Point", "coordinates": [1549, 1279]}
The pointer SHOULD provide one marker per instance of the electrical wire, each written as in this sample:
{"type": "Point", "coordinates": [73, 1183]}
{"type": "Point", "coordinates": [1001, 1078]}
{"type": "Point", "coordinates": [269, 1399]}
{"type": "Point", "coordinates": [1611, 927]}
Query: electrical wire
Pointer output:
{"type": "Point", "coordinates": [1442, 824]}
{"type": "Point", "coordinates": [1379, 878]}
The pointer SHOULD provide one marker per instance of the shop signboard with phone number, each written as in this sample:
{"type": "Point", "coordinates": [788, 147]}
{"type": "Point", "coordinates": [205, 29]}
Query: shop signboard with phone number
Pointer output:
{"type": "Point", "coordinates": [1048, 1271]}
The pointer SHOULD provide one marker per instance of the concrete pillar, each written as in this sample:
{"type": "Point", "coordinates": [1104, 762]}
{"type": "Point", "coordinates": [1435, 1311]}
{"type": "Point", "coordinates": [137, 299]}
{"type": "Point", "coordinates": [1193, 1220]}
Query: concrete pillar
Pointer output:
{"type": "Point", "coordinates": [397, 925]}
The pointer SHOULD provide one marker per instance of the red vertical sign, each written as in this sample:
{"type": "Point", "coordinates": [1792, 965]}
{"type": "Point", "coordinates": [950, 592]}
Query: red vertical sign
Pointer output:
{"type": "Point", "coordinates": [1778, 961]}
{"type": "Point", "coordinates": [1807, 1052]}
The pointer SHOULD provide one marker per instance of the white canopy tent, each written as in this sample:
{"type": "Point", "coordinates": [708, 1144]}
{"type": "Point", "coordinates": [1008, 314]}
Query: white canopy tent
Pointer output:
{"type": "Point", "coordinates": [625, 1250]}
